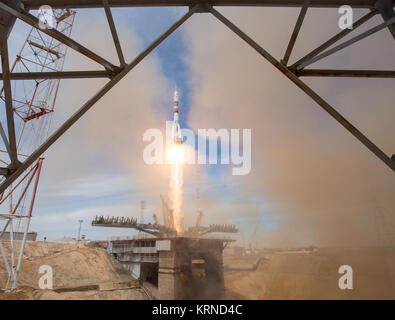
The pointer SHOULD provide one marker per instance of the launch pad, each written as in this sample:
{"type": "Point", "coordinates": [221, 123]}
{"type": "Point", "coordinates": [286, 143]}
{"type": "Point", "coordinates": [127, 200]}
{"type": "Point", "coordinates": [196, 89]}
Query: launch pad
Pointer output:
{"type": "Point", "coordinates": [174, 267]}
{"type": "Point", "coordinates": [168, 228]}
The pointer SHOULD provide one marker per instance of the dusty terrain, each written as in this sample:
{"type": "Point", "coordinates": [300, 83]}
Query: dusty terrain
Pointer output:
{"type": "Point", "coordinates": [313, 275]}
{"type": "Point", "coordinates": [86, 271]}
{"type": "Point", "coordinates": [80, 271]}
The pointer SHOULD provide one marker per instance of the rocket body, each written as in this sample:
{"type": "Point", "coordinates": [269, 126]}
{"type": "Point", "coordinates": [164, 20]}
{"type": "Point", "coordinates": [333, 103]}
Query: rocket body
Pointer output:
{"type": "Point", "coordinates": [176, 132]}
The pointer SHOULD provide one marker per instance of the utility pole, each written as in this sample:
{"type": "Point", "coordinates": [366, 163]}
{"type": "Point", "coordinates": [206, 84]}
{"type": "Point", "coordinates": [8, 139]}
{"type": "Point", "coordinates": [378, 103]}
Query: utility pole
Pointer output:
{"type": "Point", "coordinates": [79, 230]}
{"type": "Point", "coordinates": [143, 204]}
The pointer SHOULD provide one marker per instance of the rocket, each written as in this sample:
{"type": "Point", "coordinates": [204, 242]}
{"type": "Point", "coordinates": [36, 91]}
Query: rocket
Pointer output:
{"type": "Point", "coordinates": [176, 131]}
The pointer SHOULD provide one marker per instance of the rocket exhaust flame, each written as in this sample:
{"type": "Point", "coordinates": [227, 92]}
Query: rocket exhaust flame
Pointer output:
{"type": "Point", "coordinates": [176, 185]}
{"type": "Point", "coordinates": [176, 156]}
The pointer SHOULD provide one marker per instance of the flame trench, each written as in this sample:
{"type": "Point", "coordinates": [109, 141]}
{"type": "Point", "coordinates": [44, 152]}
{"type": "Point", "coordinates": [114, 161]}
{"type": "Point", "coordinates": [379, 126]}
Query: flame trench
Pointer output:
{"type": "Point", "coordinates": [176, 185]}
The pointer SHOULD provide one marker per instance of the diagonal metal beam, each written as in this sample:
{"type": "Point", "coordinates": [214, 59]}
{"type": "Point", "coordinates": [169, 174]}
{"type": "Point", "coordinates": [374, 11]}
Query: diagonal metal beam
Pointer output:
{"type": "Point", "coordinates": [7, 19]}
{"type": "Point", "coordinates": [333, 40]}
{"type": "Point", "coordinates": [5, 140]}
{"type": "Point", "coordinates": [295, 33]}
{"type": "Point", "coordinates": [33, 21]}
{"type": "Point", "coordinates": [347, 43]}
{"type": "Point", "coordinates": [8, 97]}
{"type": "Point", "coordinates": [346, 73]}
{"type": "Point", "coordinates": [385, 7]}
{"type": "Point", "coordinates": [114, 33]}
{"type": "Point", "coordinates": [326, 106]}
{"type": "Point", "coordinates": [59, 75]}
{"type": "Point", "coordinates": [77, 115]}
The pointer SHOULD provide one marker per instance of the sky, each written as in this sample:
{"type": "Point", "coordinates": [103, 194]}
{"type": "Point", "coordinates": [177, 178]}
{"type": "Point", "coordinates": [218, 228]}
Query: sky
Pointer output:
{"type": "Point", "coordinates": [311, 182]}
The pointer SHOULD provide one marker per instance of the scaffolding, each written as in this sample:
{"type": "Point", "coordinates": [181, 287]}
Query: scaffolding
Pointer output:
{"type": "Point", "coordinates": [29, 104]}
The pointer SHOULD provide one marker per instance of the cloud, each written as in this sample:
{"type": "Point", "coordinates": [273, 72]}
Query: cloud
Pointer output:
{"type": "Point", "coordinates": [311, 182]}
{"type": "Point", "coordinates": [109, 137]}
{"type": "Point", "coordinates": [324, 186]}
{"type": "Point", "coordinates": [97, 165]}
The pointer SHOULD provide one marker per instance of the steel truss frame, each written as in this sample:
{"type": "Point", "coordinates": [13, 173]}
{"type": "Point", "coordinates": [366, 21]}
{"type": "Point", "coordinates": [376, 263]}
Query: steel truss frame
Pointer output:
{"type": "Point", "coordinates": [41, 54]}
{"type": "Point", "coordinates": [11, 265]}
{"type": "Point", "coordinates": [20, 10]}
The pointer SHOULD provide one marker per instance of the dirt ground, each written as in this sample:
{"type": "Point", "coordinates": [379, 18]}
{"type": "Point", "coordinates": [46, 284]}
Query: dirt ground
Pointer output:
{"type": "Point", "coordinates": [85, 271]}
{"type": "Point", "coordinates": [80, 271]}
{"type": "Point", "coordinates": [27, 293]}
{"type": "Point", "coordinates": [313, 275]}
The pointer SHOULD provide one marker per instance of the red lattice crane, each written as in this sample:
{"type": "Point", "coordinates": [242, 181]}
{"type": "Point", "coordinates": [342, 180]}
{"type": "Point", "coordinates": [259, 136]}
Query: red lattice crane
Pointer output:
{"type": "Point", "coordinates": [33, 102]}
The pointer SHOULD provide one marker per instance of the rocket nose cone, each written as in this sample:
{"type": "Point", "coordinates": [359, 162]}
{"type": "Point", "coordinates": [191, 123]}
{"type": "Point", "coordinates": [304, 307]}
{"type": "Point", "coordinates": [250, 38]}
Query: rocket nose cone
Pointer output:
{"type": "Point", "coordinates": [176, 97]}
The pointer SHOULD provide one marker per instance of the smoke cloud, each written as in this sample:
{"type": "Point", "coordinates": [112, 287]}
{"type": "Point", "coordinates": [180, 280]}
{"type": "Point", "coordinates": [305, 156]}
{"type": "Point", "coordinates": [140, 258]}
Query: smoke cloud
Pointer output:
{"type": "Point", "coordinates": [317, 183]}
{"type": "Point", "coordinates": [311, 182]}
